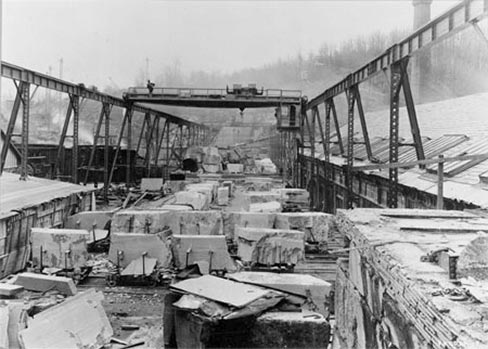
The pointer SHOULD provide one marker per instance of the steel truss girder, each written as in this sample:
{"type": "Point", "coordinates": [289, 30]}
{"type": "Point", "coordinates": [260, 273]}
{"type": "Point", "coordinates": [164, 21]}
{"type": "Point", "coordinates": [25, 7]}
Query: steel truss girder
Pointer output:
{"type": "Point", "coordinates": [25, 97]}
{"type": "Point", "coordinates": [10, 128]}
{"type": "Point", "coordinates": [350, 148]}
{"type": "Point", "coordinates": [21, 74]}
{"type": "Point", "coordinates": [395, 86]}
{"type": "Point", "coordinates": [466, 12]}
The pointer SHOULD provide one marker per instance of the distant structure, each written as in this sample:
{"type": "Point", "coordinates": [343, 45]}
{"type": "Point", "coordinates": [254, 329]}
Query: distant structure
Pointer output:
{"type": "Point", "coordinates": [422, 62]}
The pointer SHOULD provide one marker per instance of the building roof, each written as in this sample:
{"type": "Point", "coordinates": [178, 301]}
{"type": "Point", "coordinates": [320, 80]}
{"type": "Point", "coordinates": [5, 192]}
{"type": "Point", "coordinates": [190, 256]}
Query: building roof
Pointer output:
{"type": "Point", "coordinates": [452, 127]}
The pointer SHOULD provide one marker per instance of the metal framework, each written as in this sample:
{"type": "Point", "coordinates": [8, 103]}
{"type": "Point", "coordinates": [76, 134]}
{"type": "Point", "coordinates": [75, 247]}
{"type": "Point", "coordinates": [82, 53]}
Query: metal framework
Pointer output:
{"type": "Point", "coordinates": [24, 78]}
{"type": "Point", "coordinates": [395, 59]}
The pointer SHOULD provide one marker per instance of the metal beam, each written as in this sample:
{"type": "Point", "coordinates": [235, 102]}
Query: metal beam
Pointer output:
{"type": "Point", "coordinates": [21, 74]}
{"type": "Point", "coordinates": [62, 138]}
{"type": "Point", "coordinates": [362, 119]}
{"type": "Point", "coordinates": [350, 147]}
{"type": "Point", "coordinates": [127, 114]}
{"type": "Point", "coordinates": [25, 97]}
{"type": "Point", "coordinates": [437, 29]}
{"type": "Point", "coordinates": [395, 85]}
{"type": "Point", "coordinates": [10, 130]}
{"type": "Point", "coordinates": [75, 102]}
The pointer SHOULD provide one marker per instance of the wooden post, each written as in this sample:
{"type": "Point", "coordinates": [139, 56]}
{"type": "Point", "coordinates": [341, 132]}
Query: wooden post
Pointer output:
{"type": "Point", "coordinates": [440, 183]}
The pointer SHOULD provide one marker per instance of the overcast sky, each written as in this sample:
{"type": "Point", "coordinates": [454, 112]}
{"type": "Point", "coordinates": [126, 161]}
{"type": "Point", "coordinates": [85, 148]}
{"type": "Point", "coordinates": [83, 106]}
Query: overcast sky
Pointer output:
{"type": "Point", "coordinates": [106, 42]}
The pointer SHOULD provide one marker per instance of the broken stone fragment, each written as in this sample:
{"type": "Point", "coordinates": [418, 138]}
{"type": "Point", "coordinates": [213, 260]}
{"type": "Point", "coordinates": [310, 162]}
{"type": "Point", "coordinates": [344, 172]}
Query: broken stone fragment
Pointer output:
{"type": "Point", "coordinates": [270, 246]}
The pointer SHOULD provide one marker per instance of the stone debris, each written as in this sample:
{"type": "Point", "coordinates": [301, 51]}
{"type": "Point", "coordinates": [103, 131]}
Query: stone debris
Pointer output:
{"type": "Point", "coordinates": [270, 246]}
{"type": "Point", "coordinates": [78, 322]}
{"type": "Point", "coordinates": [125, 248]}
{"type": "Point", "coordinates": [191, 249]}
{"type": "Point", "coordinates": [317, 291]}
{"type": "Point", "coordinates": [60, 248]}
{"type": "Point", "coordinates": [195, 200]}
{"type": "Point", "coordinates": [42, 283]}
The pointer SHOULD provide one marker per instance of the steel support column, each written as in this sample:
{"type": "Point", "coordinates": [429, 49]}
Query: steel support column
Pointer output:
{"type": "Point", "coordinates": [62, 139]}
{"type": "Point", "coordinates": [75, 103]}
{"type": "Point", "coordinates": [25, 96]}
{"type": "Point", "coordinates": [128, 174]}
{"type": "Point", "coordinates": [10, 128]}
{"type": "Point", "coordinates": [350, 148]}
{"type": "Point", "coordinates": [106, 162]}
{"type": "Point", "coordinates": [127, 114]}
{"type": "Point", "coordinates": [395, 86]}
{"type": "Point", "coordinates": [362, 118]}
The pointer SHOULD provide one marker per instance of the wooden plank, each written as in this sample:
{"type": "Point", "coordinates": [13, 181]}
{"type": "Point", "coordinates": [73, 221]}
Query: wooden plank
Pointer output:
{"type": "Point", "coordinates": [221, 290]}
{"type": "Point", "coordinates": [418, 213]}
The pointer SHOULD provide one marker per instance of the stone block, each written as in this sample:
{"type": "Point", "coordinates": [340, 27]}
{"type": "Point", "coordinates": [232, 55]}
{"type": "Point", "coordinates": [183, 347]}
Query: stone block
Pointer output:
{"type": "Point", "coordinates": [88, 219]}
{"type": "Point", "coordinates": [190, 249]}
{"type": "Point", "coordinates": [174, 186]}
{"type": "Point", "coordinates": [290, 330]}
{"type": "Point", "coordinates": [272, 206]}
{"type": "Point", "coordinates": [223, 196]}
{"type": "Point", "coordinates": [315, 225]}
{"type": "Point", "coordinates": [196, 200]}
{"type": "Point", "coordinates": [235, 168]}
{"type": "Point", "coordinates": [246, 219]}
{"type": "Point", "coordinates": [134, 245]}
{"type": "Point", "coordinates": [270, 246]}
{"type": "Point", "coordinates": [9, 290]}
{"type": "Point", "coordinates": [151, 184]}
{"type": "Point", "coordinates": [78, 322]}
{"type": "Point", "coordinates": [176, 207]}
{"type": "Point", "coordinates": [140, 222]}
{"type": "Point", "coordinates": [195, 222]}
{"type": "Point", "coordinates": [211, 168]}
{"type": "Point", "coordinates": [316, 290]}
{"type": "Point", "coordinates": [261, 196]}
{"type": "Point", "coordinates": [230, 185]}
{"type": "Point", "coordinates": [207, 189]}
{"type": "Point", "coordinates": [54, 243]}
{"type": "Point", "coordinates": [42, 283]}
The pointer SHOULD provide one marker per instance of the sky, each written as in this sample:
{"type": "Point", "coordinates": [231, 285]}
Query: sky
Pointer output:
{"type": "Point", "coordinates": [107, 42]}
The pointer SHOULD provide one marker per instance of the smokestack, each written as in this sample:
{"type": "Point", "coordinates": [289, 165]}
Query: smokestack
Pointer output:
{"type": "Point", "coordinates": [421, 12]}
{"type": "Point", "coordinates": [421, 63]}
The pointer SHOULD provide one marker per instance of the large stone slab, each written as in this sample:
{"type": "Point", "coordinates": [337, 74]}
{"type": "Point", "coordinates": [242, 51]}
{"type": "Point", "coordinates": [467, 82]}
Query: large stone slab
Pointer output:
{"type": "Point", "coordinates": [223, 196]}
{"type": "Point", "coordinates": [10, 290]}
{"type": "Point", "coordinates": [134, 245]}
{"type": "Point", "coordinates": [196, 200]}
{"type": "Point", "coordinates": [316, 290]}
{"type": "Point", "coordinates": [235, 168]}
{"type": "Point", "coordinates": [42, 283]}
{"type": "Point", "coordinates": [88, 220]}
{"type": "Point", "coordinates": [151, 184]}
{"type": "Point", "coordinates": [207, 189]}
{"type": "Point", "coordinates": [246, 219]}
{"type": "Point", "coordinates": [261, 196]}
{"type": "Point", "coordinates": [315, 225]}
{"type": "Point", "coordinates": [78, 322]}
{"type": "Point", "coordinates": [174, 207]}
{"type": "Point", "coordinates": [272, 206]}
{"type": "Point", "coordinates": [191, 249]}
{"type": "Point", "coordinates": [230, 185]}
{"type": "Point", "coordinates": [140, 222]}
{"type": "Point", "coordinates": [54, 245]}
{"type": "Point", "coordinates": [270, 246]}
{"type": "Point", "coordinates": [290, 330]}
